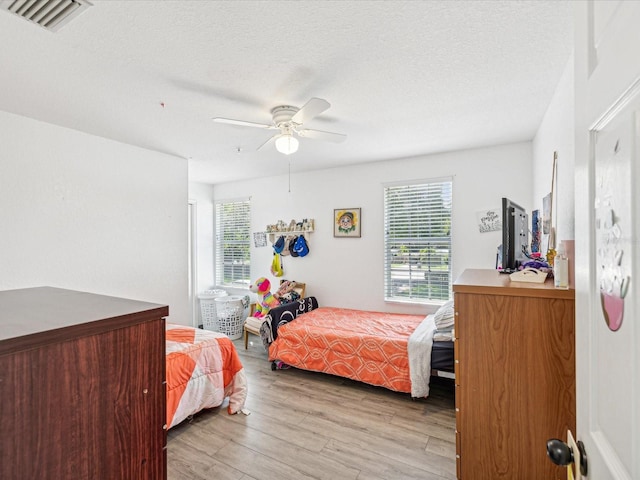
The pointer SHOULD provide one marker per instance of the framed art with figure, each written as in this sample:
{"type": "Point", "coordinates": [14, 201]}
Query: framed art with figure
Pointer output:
{"type": "Point", "coordinates": [347, 222]}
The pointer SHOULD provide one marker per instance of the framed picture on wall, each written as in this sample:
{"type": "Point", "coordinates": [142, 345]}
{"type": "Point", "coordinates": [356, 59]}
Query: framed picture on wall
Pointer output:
{"type": "Point", "coordinates": [347, 222]}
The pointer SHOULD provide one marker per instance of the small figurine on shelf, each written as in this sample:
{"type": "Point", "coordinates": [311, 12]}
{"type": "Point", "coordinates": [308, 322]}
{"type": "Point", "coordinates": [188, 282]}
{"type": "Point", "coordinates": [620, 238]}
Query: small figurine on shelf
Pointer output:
{"type": "Point", "coordinates": [551, 255]}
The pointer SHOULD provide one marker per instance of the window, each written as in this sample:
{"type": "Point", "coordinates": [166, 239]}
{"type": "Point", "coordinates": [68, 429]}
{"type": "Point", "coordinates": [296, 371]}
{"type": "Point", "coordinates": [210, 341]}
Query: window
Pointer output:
{"type": "Point", "coordinates": [417, 241]}
{"type": "Point", "coordinates": [233, 246]}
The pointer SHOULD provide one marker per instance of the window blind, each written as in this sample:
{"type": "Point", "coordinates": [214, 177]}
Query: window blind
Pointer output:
{"type": "Point", "coordinates": [233, 246]}
{"type": "Point", "coordinates": [417, 241]}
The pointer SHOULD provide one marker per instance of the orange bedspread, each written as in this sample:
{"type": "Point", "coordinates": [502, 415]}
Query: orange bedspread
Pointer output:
{"type": "Point", "coordinates": [203, 368]}
{"type": "Point", "coordinates": [370, 347]}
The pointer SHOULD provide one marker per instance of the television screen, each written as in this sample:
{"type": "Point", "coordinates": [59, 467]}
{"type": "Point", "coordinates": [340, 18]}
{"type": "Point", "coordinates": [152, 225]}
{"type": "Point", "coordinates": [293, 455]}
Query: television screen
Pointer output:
{"type": "Point", "coordinates": [515, 235]}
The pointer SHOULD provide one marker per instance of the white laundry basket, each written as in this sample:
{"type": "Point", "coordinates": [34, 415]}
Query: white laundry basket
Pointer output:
{"type": "Point", "coordinates": [208, 308]}
{"type": "Point", "coordinates": [230, 311]}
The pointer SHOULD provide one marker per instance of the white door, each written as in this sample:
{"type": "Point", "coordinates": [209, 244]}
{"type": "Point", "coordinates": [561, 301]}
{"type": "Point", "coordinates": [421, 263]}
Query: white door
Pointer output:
{"type": "Point", "coordinates": [607, 233]}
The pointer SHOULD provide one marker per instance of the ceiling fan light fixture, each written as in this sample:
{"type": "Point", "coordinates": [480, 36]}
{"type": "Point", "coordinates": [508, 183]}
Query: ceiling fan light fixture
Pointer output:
{"type": "Point", "coordinates": [287, 144]}
{"type": "Point", "coordinates": [287, 120]}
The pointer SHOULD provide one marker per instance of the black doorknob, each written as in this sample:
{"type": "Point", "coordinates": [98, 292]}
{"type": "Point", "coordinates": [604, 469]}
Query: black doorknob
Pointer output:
{"type": "Point", "coordinates": [559, 452]}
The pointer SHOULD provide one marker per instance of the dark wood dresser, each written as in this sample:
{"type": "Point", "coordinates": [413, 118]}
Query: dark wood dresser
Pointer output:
{"type": "Point", "coordinates": [82, 386]}
{"type": "Point", "coordinates": [515, 375]}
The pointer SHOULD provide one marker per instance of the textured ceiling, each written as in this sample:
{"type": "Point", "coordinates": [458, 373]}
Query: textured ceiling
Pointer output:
{"type": "Point", "coordinates": [404, 78]}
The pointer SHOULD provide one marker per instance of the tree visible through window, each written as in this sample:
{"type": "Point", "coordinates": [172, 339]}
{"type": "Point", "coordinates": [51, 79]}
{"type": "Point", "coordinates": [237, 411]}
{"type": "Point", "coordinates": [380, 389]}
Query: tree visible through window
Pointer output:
{"type": "Point", "coordinates": [233, 245]}
{"type": "Point", "coordinates": [417, 241]}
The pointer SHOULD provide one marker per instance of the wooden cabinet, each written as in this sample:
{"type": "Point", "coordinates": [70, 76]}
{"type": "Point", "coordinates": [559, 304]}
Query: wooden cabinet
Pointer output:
{"type": "Point", "coordinates": [515, 375]}
{"type": "Point", "coordinates": [82, 386]}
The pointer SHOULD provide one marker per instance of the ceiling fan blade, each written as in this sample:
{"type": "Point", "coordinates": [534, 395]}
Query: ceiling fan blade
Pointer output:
{"type": "Point", "coordinates": [312, 108]}
{"type": "Point", "coordinates": [242, 123]}
{"type": "Point", "coordinates": [320, 135]}
{"type": "Point", "coordinates": [268, 142]}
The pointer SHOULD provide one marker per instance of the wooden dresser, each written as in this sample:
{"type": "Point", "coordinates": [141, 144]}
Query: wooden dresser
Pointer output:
{"type": "Point", "coordinates": [515, 375]}
{"type": "Point", "coordinates": [82, 386]}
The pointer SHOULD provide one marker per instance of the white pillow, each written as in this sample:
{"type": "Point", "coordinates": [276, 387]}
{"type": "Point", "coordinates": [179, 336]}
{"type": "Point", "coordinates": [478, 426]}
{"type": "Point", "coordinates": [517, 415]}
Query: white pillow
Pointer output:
{"type": "Point", "coordinates": [444, 314]}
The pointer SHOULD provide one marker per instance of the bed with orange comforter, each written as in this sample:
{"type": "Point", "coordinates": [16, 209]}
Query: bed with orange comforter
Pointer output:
{"type": "Point", "coordinates": [370, 347]}
{"type": "Point", "coordinates": [202, 369]}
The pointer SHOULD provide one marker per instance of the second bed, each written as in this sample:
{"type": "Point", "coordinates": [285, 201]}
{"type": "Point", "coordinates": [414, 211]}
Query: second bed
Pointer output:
{"type": "Point", "coordinates": [395, 351]}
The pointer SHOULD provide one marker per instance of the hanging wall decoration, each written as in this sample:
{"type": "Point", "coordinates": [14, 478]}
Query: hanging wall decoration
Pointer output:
{"type": "Point", "coordinates": [346, 222]}
{"type": "Point", "coordinates": [535, 231]}
{"type": "Point", "coordinates": [613, 215]}
{"type": "Point", "coordinates": [548, 225]}
{"type": "Point", "coordinates": [260, 239]}
{"type": "Point", "coordinates": [489, 220]}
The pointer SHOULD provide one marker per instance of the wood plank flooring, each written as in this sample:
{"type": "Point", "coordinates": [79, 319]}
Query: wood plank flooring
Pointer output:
{"type": "Point", "coordinates": [306, 425]}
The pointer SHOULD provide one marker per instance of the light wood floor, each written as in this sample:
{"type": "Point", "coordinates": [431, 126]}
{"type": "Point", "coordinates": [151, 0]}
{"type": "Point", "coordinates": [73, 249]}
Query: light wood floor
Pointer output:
{"type": "Point", "coordinates": [306, 425]}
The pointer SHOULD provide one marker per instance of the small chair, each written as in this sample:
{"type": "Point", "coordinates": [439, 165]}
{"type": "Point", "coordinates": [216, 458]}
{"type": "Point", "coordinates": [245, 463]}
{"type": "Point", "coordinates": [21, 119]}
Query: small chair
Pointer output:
{"type": "Point", "coordinates": [253, 326]}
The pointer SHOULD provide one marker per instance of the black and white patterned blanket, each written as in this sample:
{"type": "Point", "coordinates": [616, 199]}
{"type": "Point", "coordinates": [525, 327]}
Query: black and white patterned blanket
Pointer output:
{"type": "Point", "coordinates": [283, 314]}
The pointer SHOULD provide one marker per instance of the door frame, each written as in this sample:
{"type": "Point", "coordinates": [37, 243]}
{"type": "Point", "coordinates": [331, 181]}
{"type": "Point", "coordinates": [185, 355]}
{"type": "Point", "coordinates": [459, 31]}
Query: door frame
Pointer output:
{"type": "Point", "coordinates": [193, 261]}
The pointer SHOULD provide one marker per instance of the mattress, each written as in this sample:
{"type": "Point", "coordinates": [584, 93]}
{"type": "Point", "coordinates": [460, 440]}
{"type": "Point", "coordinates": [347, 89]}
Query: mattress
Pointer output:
{"type": "Point", "coordinates": [370, 347]}
{"type": "Point", "coordinates": [442, 356]}
{"type": "Point", "coordinates": [202, 370]}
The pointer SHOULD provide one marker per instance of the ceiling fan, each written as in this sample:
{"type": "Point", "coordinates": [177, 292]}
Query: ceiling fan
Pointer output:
{"type": "Point", "coordinates": [289, 121]}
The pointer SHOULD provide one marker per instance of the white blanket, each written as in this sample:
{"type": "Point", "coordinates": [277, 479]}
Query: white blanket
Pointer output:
{"type": "Point", "coordinates": [419, 351]}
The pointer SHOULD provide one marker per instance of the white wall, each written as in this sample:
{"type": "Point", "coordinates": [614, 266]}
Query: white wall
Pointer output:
{"type": "Point", "coordinates": [556, 133]}
{"type": "Point", "coordinates": [349, 272]}
{"type": "Point", "coordinates": [90, 214]}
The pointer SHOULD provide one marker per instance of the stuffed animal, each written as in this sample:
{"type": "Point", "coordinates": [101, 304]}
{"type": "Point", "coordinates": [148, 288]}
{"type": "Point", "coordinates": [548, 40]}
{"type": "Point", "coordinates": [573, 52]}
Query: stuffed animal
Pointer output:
{"type": "Point", "coordinates": [266, 301]}
{"type": "Point", "coordinates": [286, 292]}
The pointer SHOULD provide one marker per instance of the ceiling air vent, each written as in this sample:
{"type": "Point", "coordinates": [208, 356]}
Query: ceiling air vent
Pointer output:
{"type": "Point", "coordinates": [49, 14]}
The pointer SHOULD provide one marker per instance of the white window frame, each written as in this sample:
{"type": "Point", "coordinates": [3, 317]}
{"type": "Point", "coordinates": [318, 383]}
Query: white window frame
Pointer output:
{"type": "Point", "coordinates": [233, 255]}
{"type": "Point", "coordinates": [417, 256]}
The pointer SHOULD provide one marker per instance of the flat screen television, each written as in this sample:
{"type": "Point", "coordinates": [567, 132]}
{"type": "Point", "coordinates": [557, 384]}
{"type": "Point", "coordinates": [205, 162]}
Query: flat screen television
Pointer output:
{"type": "Point", "coordinates": [515, 235]}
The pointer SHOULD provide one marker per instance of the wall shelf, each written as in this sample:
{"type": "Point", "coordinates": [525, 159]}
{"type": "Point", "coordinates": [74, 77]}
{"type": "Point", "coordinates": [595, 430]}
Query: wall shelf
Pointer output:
{"type": "Point", "coordinates": [273, 236]}
{"type": "Point", "coordinates": [292, 228]}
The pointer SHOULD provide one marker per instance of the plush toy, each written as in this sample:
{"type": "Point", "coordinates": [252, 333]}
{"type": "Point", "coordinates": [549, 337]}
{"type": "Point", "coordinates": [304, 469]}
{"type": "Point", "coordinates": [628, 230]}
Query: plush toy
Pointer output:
{"type": "Point", "coordinates": [286, 292]}
{"type": "Point", "coordinates": [266, 301]}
